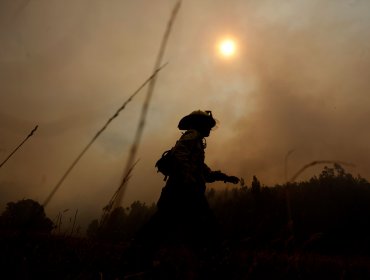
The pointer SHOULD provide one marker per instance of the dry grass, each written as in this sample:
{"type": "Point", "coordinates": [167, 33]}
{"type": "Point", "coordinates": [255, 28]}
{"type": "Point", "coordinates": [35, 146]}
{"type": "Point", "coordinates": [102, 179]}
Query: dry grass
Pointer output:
{"type": "Point", "coordinates": [19, 146]}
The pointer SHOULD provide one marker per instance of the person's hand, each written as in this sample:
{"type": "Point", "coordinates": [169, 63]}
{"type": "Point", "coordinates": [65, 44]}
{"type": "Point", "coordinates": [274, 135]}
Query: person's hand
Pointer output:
{"type": "Point", "coordinates": [233, 179]}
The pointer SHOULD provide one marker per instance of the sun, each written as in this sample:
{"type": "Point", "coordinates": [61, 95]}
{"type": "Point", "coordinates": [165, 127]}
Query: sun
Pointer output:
{"type": "Point", "coordinates": [227, 48]}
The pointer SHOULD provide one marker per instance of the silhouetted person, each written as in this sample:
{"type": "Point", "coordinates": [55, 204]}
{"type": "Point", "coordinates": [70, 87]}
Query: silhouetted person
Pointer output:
{"type": "Point", "coordinates": [183, 212]}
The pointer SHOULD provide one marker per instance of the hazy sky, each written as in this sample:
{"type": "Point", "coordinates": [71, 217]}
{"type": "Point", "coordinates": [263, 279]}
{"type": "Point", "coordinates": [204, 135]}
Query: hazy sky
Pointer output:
{"type": "Point", "coordinates": [299, 80]}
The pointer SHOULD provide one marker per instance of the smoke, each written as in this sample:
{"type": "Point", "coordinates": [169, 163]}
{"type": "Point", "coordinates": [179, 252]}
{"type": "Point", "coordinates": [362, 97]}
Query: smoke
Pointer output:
{"type": "Point", "coordinates": [311, 92]}
{"type": "Point", "coordinates": [299, 81]}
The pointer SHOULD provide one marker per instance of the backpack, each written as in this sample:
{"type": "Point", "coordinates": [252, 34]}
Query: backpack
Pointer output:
{"type": "Point", "coordinates": [165, 164]}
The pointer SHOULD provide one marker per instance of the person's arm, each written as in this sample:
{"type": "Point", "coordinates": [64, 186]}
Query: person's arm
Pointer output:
{"type": "Point", "coordinates": [212, 176]}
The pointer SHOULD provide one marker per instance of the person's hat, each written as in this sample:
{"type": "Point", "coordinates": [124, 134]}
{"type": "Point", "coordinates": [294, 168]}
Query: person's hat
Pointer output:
{"type": "Point", "coordinates": [196, 119]}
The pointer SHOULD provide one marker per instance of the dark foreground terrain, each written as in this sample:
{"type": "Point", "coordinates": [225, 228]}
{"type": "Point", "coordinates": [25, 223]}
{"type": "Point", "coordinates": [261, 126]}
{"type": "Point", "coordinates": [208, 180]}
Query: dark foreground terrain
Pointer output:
{"type": "Point", "coordinates": [53, 257]}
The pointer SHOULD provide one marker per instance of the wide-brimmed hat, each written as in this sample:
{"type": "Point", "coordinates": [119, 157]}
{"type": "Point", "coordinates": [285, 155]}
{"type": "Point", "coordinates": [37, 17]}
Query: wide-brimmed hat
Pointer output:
{"type": "Point", "coordinates": [196, 119]}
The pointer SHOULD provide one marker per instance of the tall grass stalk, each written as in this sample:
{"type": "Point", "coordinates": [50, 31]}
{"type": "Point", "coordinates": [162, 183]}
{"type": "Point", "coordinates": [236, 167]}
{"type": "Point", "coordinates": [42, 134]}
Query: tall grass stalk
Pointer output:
{"type": "Point", "coordinates": [74, 222]}
{"type": "Point", "coordinates": [122, 187]}
{"type": "Point", "coordinates": [18, 147]}
{"type": "Point", "coordinates": [110, 206]}
{"type": "Point", "coordinates": [286, 164]}
{"type": "Point", "coordinates": [115, 115]}
{"type": "Point", "coordinates": [300, 171]}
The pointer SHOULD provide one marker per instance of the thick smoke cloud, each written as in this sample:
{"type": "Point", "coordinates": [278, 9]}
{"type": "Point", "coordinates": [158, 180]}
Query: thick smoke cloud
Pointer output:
{"type": "Point", "coordinates": [312, 91]}
{"type": "Point", "coordinates": [299, 81]}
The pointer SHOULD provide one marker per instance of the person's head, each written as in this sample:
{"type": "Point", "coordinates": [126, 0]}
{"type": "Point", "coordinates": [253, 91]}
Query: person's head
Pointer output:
{"type": "Point", "coordinates": [202, 121]}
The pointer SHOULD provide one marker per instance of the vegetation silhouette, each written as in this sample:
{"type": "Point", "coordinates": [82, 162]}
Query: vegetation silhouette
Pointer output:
{"type": "Point", "coordinates": [122, 223]}
{"type": "Point", "coordinates": [25, 216]}
{"type": "Point", "coordinates": [118, 196]}
{"type": "Point", "coordinates": [331, 214]}
{"type": "Point", "coordinates": [19, 146]}
{"type": "Point", "coordinates": [330, 240]}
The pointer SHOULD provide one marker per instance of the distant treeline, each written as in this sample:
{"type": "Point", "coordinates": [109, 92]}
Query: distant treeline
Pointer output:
{"type": "Point", "coordinates": [329, 213]}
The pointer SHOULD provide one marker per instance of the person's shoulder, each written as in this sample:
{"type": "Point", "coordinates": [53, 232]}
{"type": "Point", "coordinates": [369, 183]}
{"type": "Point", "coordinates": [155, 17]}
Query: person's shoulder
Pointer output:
{"type": "Point", "coordinates": [190, 135]}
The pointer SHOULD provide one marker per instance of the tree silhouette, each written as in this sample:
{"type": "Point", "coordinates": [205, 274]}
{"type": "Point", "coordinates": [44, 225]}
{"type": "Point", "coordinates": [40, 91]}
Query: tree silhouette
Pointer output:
{"type": "Point", "coordinates": [330, 212]}
{"type": "Point", "coordinates": [25, 215]}
{"type": "Point", "coordinates": [122, 223]}
{"type": "Point", "coordinates": [92, 229]}
{"type": "Point", "coordinates": [256, 185]}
